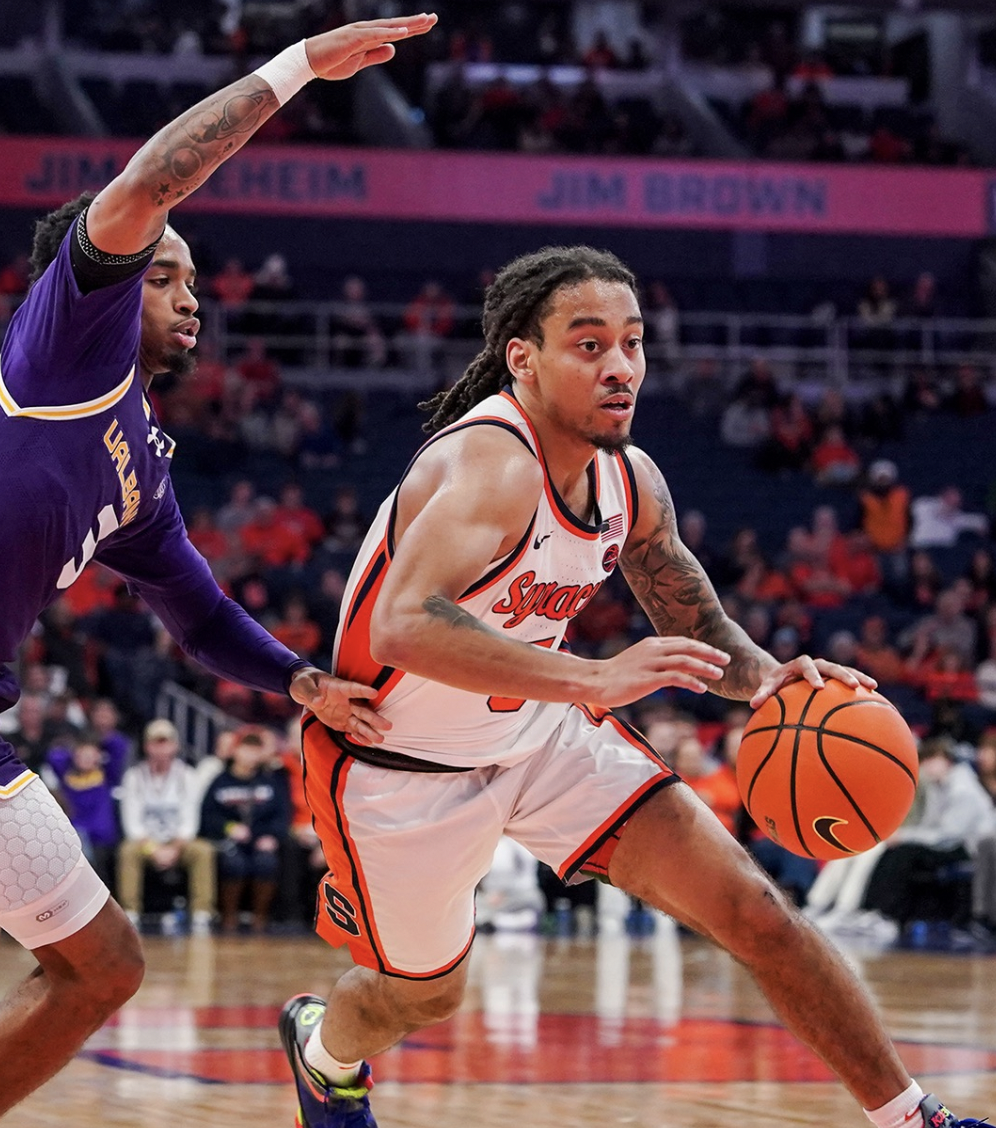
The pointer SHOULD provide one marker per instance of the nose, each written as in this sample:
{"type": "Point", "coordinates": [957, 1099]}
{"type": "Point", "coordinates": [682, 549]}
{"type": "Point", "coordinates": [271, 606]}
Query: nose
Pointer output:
{"type": "Point", "coordinates": [186, 301]}
{"type": "Point", "coordinates": [618, 367]}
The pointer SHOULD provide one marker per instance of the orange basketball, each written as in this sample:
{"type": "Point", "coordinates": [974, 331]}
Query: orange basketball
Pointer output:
{"type": "Point", "coordinates": [827, 772]}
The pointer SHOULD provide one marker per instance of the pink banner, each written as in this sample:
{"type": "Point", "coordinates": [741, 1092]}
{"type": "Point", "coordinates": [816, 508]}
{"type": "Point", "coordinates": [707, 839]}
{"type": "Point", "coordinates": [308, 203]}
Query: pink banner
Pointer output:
{"type": "Point", "coordinates": [500, 188]}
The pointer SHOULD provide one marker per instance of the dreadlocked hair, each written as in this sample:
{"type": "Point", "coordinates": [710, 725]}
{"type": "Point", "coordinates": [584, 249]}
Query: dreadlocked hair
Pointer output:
{"type": "Point", "coordinates": [515, 305]}
{"type": "Point", "coordinates": [51, 229]}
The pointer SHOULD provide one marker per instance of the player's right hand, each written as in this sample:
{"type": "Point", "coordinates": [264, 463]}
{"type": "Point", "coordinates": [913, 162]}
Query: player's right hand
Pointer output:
{"type": "Point", "coordinates": [654, 663]}
{"type": "Point", "coordinates": [340, 53]}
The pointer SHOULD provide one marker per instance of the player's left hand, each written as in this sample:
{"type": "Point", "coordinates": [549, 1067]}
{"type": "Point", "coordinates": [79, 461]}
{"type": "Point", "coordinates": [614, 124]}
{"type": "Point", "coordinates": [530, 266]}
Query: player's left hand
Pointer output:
{"type": "Point", "coordinates": [340, 53]}
{"type": "Point", "coordinates": [812, 670]}
{"type": "Point", "coordinates": [339, 704]}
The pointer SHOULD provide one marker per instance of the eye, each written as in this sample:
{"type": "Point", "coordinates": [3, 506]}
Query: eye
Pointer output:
{"type": "Point", "coordinates": [634, 343]}
{"type": "Point", "coordinates": [588, 346]}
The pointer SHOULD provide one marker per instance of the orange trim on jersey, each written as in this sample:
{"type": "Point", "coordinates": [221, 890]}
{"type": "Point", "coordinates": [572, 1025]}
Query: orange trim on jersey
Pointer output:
{"type": "Point", "coordinates": [557, 504]}
{"type": "Point", "coordinates": [345, 911]}
{"type": "Point", "coordinates": [354, 660]}
{"type": "Point", "coordinates": [600, 845]}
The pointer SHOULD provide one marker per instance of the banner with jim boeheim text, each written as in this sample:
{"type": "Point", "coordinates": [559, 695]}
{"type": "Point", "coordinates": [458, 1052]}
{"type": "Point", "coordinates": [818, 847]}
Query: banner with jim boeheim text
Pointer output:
{"type": "Point", "coordinates": [507, 188]}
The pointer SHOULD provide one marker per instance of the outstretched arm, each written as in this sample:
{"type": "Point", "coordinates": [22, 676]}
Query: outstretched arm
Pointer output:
{"type": "Point", "coordinates": [675, 592]}
{"type": "Point", "coordinates": [131, 211]}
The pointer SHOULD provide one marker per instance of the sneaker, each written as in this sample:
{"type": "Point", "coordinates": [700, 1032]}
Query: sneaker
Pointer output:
{"type": "Point", "coordinates": [200, 924]}
{"type": "Point", "coordinates": [321, 1105]}
{"type": "Point", "coordinates": [935, 1115]}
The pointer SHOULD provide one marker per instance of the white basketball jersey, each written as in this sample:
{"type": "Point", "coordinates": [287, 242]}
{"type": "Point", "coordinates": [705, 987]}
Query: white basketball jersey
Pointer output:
{"type": "Point", "coordinates": [531, 595]}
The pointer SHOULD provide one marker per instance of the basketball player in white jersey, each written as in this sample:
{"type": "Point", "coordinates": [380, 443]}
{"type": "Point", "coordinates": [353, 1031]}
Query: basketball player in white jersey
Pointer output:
{"type": "Point", "coordinates": [503, 528]}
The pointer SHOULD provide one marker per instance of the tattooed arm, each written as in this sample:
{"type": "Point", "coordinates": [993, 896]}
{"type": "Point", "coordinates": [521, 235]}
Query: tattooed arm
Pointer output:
{"type": "Point", "coordinates": [674, 590]}
{"type": "Point", "coordinates": [132, 210]}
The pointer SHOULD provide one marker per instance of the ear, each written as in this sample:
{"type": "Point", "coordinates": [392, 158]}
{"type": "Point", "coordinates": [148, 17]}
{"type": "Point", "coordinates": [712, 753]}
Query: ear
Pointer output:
{"type": "Point", "coordinates": [519, 359]}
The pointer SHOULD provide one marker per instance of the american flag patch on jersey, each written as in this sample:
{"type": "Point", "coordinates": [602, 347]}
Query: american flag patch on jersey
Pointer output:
{"type": "Point", "coordinates": [613, 527]}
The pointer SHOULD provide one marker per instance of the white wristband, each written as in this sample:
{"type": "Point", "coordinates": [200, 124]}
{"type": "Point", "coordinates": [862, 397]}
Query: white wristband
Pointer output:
{"type": "Point", "coordinates": [287, 72]}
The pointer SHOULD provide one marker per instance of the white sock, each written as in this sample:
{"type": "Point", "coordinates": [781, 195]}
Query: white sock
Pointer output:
{"type": "Point", "coordinates": [338, 1074]}
{"type": "Point", "coordinates": [899, 1111]}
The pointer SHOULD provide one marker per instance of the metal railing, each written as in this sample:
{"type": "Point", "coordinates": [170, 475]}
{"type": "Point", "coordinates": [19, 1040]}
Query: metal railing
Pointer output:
{"type": "Point", "coordinates": [198, 722]}
{"type": "Point", "coordinates": [830, 348]}
{"type": "Point", "coordinates": [306, 336]}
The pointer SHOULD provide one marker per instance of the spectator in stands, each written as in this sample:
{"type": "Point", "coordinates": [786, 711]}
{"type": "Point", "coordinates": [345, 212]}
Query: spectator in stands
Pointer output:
{"type": "Point", "coordinates": [811, 574]}
{"type": "Point", "coordinates": [716, 787]}
{"type": "Point", "coordinates": [133, 663]}
{"type": "Point", "coordinates": [980, 573]}
{"type": "Point", "coordinates": [64, 644]}
{"type": "Point", "coordinates": [661, 315]}
{"type": "Point", "coordinates": [920, 588]}
{"type": "Point", "coordinates": [160, 814]}
{"type": "Point", "coordinates": [880, 420]}
{"type": "Point", "coordinates": [288, 423]}
{"type": "Point", "coordinates": [86, 774]}
{"type": "Point", "coordinates": [324, 607]}
{"type": "Point", "coordinates": [317, 447]}
{"type": "Point", "coordinates": [946, 630]}
{"type": "Point", "coordinates": [211, 543]}
{"type": "Point", "coordinates": [105, 724]}
{"type": "Point", "coordinates": [921, 395]}
{"type": "Point", "coordinates": [876, 655]}
{"type": "Point", "coordinates": [296, 630]}
{"type": "Point", "coordinates": [692, 528]}
{"type": "Point", "coordinates": [922, 302]}
{"type": "Point", "coordinates": [232, 286]}
{"type": "Point", "coordinates": [876, 313]}
{"type": "Point", "coordinates": [745, 422]}
{"type": "Point", "coordinates": [835, 462]}
{"type": "Point", "coordinates": [357, 340]}
{"type": "Point", "coordinates": [790, 442]}
{"type": "Point", "coordinates": [240, 508]}
{"type": "Point", "coordinates": [345, 525]}
{"type": "Point", "coordinates": [938, 521]}
{"type": "Point", "coordinates": [764, 583]}
{"type": "Point", "coordinates": [273, 285]}
{"type": "Point", "coordinates": [269, 542]}
{"type": "Point", "coordinates": [833, 410]}
{"type": "Point", "coordinates": [294, 514]}
{"type": "Point", "coordinates": [743, 550]}
{"type": "Point", "coordinates": [30, 738]}
{"type": "Point", "coordinates": [259, 370]}
{"type": "Point", "coordinates": [601, 55]}
{"type": "Point", "coordinates": [885, 516]}
{"type": "Point", "coordinates": [246, 815]}
{"type": "Point", "coordinates": [957, 815]}
{"type": "Point", "coordinates": [858, 564]}
{"type": "Point", "coordinates": [428, 320]}
{"type": "Point", "coordinates": [968, 397]}
{"type": "Point", "coordinates": [947, 677]}
{"type": "Point", "coordinates": [758, 386]}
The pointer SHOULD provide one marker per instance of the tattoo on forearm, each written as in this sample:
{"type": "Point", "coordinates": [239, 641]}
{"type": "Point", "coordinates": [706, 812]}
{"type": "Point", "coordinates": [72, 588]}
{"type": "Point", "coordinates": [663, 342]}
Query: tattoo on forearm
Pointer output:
{"type": "Point", "coordinates": [184, 153]}
{"type": "Point", "coordinates": [449, 613]}
{"type": "Point", "coordinates": [679, 599]}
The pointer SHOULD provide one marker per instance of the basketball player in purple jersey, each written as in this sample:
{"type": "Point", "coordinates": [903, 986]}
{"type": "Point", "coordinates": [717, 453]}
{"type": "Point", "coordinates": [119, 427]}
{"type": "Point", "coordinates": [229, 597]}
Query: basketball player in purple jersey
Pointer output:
{"type": "Point", "coordinates": [84, 474]}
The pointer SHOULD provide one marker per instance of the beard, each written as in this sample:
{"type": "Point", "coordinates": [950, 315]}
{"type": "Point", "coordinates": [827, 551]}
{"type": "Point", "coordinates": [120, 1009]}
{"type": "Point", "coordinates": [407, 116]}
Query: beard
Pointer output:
{"type": "Point", "coordinates": [612, 443]}
{"type": "Point", "coordinates": [177, 363]}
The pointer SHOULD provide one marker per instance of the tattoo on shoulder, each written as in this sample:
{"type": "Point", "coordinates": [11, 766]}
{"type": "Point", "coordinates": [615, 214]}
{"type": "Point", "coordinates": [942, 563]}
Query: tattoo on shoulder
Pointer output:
{"type": "Point", "coordinates": [448, 612]}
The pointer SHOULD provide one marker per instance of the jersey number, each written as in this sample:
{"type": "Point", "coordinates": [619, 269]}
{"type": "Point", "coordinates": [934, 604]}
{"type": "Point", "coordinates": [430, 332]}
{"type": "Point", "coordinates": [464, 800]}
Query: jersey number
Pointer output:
{"type": "Point", "coordinates": [514, 704]}
{"type": "Point", "coordinates": [107, 522]}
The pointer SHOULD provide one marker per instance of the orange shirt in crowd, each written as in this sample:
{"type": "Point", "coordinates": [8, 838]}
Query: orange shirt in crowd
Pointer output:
{"type": "Point", "coordinates": [720, 793]}
{"type": "Point", "coordinates": [303, 638]}
{"type": "Point", "coordinates": [273, 545]}
{"type": "Point", "coordinates": [885, 518]}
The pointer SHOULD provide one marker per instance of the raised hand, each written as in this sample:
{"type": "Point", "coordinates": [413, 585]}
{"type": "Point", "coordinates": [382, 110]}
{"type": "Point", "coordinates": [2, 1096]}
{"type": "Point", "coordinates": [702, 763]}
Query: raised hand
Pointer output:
{"type": "Point", "coordinates": [340, 53]}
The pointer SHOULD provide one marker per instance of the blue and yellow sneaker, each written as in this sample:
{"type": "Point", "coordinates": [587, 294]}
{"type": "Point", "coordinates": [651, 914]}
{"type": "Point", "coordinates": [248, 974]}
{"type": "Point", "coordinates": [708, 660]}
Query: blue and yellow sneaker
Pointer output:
{"type": "Point", "coordinates": [935, 1115]}
{"type": "Point", "coordinates": [321, 1105]}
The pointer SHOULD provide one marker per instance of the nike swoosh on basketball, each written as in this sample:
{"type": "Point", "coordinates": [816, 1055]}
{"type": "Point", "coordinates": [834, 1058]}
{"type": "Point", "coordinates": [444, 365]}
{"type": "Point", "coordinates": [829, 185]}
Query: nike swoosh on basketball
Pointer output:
{"type": "Point", "coordinates": [539, 540]}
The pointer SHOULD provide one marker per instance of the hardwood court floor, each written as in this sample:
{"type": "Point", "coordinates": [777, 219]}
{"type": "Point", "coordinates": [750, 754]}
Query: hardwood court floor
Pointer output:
{"type": "Point", "coordinates": [554, 1034]}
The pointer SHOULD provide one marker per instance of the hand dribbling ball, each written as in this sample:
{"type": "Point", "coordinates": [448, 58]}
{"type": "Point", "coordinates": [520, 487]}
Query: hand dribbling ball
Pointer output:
{"type": "Point", "coordinates": [829, 772]}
